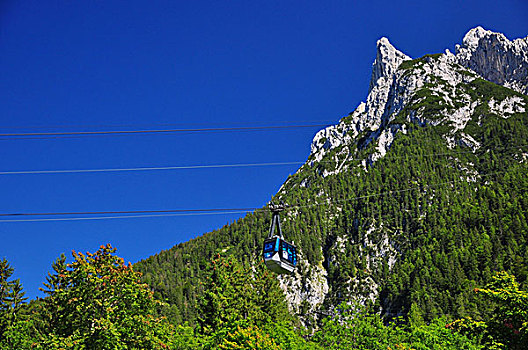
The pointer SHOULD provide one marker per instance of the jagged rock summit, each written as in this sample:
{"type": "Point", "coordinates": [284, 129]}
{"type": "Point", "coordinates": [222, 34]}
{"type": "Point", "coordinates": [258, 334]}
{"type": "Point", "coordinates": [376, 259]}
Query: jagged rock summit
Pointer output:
{"type": "Point", "coordinates": [369, 115]}
{"type": "Point", "coordinates": [399, 82]}
{"type": "Point", "coordinates": [496, 58]}
{"type": "Point", "coordinates": [388, 59]}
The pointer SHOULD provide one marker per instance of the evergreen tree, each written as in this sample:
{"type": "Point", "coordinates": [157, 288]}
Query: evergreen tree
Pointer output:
{"type": "Point", "coordinates": [239, 305]}
{"type": "Point", "coordinates": [11, 298]}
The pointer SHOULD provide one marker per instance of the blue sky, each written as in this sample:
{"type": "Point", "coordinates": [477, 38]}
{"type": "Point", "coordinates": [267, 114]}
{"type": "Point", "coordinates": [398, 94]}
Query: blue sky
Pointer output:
{"type": "Point", "coordinates": [107, 65]}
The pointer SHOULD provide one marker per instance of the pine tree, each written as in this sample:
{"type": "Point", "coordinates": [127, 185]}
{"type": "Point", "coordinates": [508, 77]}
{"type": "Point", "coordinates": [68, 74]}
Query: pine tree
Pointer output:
{"type": "Point", "coordinates": [11, 301]}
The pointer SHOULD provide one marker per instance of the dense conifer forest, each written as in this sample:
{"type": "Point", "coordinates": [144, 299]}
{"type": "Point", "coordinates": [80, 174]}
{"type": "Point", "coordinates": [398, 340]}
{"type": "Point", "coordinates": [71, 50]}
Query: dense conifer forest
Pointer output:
{"type": "Point", "coordinates": [453, 230]}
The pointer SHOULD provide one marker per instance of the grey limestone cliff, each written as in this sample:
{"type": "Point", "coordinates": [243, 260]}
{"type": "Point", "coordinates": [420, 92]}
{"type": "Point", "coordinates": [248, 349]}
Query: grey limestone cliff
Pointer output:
{"type": "Point", "coordinates": [496, 58]}
{"type": "Point", "coordinates": [395, 86]}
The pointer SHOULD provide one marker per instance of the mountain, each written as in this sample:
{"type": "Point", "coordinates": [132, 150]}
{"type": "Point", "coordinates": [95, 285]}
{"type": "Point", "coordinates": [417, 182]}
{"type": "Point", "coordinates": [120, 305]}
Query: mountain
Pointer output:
{"type": "Point", "coordinates": [410, 201]}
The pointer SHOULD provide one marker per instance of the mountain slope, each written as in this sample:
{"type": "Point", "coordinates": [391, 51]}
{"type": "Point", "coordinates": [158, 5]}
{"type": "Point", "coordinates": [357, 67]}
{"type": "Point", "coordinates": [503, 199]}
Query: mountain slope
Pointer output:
{"type": "Point", "coordinates": [414, 198]}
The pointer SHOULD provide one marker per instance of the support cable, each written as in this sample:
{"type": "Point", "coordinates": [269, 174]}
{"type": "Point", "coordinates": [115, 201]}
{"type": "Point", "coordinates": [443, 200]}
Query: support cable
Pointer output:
{"type": "Point", "coordinates": [217, 166]}
{"type": "Point", "coordinates": [177, 167]}
{"type": "Point", "coordinates": [155, 131]}
{"type": "Point", "coordinates": [214, 211]}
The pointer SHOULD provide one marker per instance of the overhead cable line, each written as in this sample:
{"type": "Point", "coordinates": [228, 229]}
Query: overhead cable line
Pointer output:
{"type": "Point", "coordinates": [217, 166]}
{"type": "Point", "coordinates": [177, 167]}
{"type": "Point", "coordinates": [211, 211]}
{"type": "Point", "coordinates": [156, 131]}
{"type": "Point", "coordinates": [153, 125]}
{"type": "Point", "coordinates": [124, 216]}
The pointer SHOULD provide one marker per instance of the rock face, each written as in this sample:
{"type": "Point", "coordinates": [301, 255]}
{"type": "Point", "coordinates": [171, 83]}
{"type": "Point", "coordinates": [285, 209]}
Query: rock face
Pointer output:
{"type": "Point", "coordinates": [431, 90]}
{"type": "Point", "coordinates": [369, 115]}
{"type": "Point", "coordinates": [496, 58]}
{"type": "Point", "coordinates": [388, 59]}
{"type": "Point", "coordinates": [432, 78]}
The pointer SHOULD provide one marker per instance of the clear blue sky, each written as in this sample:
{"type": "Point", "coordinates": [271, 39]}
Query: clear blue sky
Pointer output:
{"type": "Point", "coordinates": [91, 65]}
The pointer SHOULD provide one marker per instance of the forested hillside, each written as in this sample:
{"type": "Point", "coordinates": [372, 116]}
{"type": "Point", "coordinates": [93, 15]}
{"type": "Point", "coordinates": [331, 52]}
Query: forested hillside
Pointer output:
{"type": "Point", "coordinates": [449, 233]}
{"type": "Point", "coordinates": [409, 203]}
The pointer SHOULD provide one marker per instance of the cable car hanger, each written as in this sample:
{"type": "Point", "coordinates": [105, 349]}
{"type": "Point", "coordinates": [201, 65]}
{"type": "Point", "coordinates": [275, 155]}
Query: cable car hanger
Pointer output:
{"type": "Point", "coordinates": [275, 219]}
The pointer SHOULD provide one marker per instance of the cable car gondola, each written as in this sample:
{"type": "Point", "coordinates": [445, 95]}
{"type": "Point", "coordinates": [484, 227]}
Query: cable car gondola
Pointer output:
{"type": "Point", "coordinates": [279, 256]}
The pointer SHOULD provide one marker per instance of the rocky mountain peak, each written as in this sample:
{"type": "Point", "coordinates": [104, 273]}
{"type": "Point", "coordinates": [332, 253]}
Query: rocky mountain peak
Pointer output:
{"type": "Point", "coordinates": [404, 88]}
{"type": "Point", "coordinates": [441, 91]}
{"type": "Point", "coordinates": [496, 58]}
{"type": "Point", "coordinates": [387, 61]}
{"type": "Point", "coordinates": [472, 38]}
{"type": "Point", "coordinates": [369, 115]}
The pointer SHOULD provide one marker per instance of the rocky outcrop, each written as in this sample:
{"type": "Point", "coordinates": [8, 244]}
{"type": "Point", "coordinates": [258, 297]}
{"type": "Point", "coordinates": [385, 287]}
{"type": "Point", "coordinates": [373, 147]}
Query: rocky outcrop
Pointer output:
{"type": "Point", "coordinates": [306, 290]}
{"type": "Point", "coordinates": [496, 58]}
{"type": "Point", "coordinates": [388, 59]}
{"type": "Point", "coordinates": [398, 82]}
{"type": "Point", "coordinates": [369, 115]}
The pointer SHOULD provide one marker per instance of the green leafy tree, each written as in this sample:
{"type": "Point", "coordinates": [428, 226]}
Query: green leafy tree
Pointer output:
{"type": "Point", "coordinates": [507, 328]}
{"type": "Point", "coordinates": [356, 328]}
{"type": "Point", "coordinates": [98, 302]}
{"type": "Point", "coordinates": [287, 337]}
{"type": "Point", "coordinates": [57, 279]}
{"type": "Point", "coordinates": [185, 337]}
{"type": "Point", "coordinates": [250, 338]}
{"type": "Point", "coordinates": [20, 335]}
{"type": "Point", "coordinates": [227, 297]}
{"type": "Point", "coordinates": [352, 328]}
{"type": "Point", "coordinates": [434, 335]}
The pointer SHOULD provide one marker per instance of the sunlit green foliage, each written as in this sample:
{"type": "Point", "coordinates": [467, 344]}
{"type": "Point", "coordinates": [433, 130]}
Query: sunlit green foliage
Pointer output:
{"type": "Point", "coordinates": [356, 328]}
{"type": "Point", "coordinates": [239, 303]}
{"type": "Point", "coordinates": [507, 327]}
{"type": "Point", "coordinates": [98, 302]}
{"type": "Point", "coordinates": [14, 328]}
{"type": "Point", "coordinates": [251, 337]}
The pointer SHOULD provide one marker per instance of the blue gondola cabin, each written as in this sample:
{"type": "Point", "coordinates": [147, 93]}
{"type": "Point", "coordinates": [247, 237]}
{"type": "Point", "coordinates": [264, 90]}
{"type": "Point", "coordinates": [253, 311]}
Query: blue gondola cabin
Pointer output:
{"type": "Point", "coordinates": [279, 255]}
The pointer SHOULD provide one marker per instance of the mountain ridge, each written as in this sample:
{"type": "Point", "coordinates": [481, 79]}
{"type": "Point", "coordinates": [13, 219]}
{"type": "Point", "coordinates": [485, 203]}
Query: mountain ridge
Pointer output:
{"type": "Point", "coordinates": [375, 219]}
{"type": "Point", "coordinates": [385, 82]}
